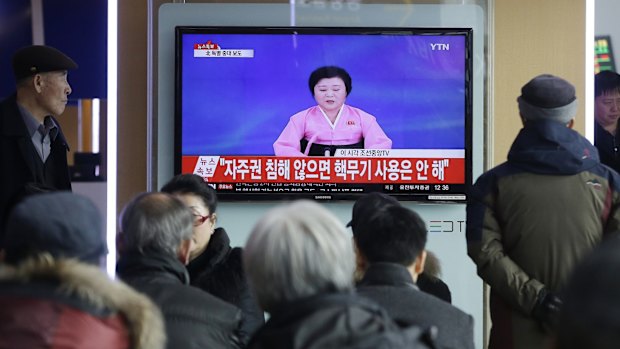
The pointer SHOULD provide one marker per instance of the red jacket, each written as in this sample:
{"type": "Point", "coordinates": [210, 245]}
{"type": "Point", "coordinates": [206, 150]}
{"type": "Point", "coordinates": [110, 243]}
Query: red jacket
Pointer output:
{"type": "Point", "coordinates": [66, 304]}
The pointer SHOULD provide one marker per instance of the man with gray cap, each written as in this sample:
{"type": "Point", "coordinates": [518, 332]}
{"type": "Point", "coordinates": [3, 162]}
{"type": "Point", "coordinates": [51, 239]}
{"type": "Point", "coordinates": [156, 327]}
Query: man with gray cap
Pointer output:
{"type": "Point", "coordinates": [531, 219]}
{"type": "Point", "coordinates": [52, 291]}
{"type": "Point", "coordinates": [33, 149]}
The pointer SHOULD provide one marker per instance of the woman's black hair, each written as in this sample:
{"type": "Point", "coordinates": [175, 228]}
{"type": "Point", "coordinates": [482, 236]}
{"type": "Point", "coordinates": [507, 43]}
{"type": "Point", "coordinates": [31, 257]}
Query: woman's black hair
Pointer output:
{"type": "Point", "coordinates": [192, 184]}
{"type": "Point", "coordinates": [327, 72]}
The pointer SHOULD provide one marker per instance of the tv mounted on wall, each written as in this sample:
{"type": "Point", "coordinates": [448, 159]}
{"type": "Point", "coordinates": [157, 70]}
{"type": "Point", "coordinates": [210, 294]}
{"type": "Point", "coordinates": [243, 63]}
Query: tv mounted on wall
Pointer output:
{"type": "Point", "coordinates": [244, 95]}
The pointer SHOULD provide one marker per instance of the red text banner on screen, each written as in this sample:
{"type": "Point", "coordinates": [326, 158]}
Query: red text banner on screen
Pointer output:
{"type": "Point", "coordinates": [350, 166]}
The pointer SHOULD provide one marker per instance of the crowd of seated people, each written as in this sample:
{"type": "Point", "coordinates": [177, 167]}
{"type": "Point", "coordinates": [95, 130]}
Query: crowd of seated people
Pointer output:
{"type": "Point", "coordinates": [299, 261]}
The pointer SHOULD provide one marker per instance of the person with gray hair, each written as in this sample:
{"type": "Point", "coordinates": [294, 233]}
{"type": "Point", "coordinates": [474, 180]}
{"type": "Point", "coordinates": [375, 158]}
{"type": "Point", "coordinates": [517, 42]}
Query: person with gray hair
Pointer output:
{"type": "Point", "coordinates": [531, 219]}
{"type": "Point", "coordinates": [154, 246]}
{"type": "Point", "coordinates": [215, 266]}
{"type": "Point", "coordinates": [300, 262]}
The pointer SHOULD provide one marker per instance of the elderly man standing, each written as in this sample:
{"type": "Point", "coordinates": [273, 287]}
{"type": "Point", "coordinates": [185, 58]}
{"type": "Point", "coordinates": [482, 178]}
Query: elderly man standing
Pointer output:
{"type": "Point", "coordinates": [154, 246]}
{"type": "Point", "coordinates": [33, 149]}
{"type": "Point", "coordinates": [531, 219]}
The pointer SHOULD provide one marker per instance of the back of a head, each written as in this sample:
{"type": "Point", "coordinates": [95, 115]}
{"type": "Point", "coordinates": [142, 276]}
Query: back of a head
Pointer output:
{"type": "Point", "coordinates": [61, 224]}
{"type": "Point", "coordinates": [548, 97]}
{"type": "Point", "coordinates": [393, 234]}
{"type": "Point", "coordinates": [606, 82]}
{"type": "Point", "coordinates": [368, 204]}
{"type": "Point", "coordinates": [192, 184]}
{"type": "Point", "coordinates": [590, 316]}
{"type": "Point", "coordinates": [298, 250]}
{"type": "Point", "coordinates": [155, 223]}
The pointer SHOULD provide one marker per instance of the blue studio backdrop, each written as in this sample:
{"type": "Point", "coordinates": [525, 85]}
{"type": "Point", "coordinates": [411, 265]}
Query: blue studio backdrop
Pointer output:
{"type": "Point", "coordinates": [76, 27]}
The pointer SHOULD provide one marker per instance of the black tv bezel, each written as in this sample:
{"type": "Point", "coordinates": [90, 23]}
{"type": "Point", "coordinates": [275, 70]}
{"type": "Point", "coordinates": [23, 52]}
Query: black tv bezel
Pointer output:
{"type": "Point", "coordinates": [273, 196]}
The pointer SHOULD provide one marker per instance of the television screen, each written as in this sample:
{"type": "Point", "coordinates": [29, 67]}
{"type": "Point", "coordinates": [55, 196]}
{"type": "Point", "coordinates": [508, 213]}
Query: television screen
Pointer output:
{"type": "Point", "coordinates": [325, 113]}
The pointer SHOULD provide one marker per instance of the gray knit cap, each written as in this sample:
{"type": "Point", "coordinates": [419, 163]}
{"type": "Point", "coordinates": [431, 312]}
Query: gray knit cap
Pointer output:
{"type": "Point", "coordinates": [548, 97]}
{"type": "Point", "coordinates": [63, 224]}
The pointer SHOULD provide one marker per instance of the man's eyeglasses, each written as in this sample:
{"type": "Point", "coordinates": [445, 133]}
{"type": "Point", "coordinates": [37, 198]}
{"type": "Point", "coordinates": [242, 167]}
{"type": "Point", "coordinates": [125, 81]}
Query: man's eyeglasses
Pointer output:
{"type": "Point", "coordinates": [199, 220]}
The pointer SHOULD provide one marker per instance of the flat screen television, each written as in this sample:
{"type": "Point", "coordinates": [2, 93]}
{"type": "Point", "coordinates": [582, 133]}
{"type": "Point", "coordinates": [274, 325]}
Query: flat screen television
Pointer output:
{"type": "Point", "coordinates": [244, 95]}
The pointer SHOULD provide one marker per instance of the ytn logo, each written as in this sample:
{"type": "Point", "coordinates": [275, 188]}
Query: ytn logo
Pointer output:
{"type": "Point", "coordinates": [440, 47]}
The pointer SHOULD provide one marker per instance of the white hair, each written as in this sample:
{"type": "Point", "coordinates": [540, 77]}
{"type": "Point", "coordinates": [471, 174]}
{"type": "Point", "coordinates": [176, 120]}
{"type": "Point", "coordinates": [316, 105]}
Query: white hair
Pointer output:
{"type": "Point", "coordinates": [297, 250]}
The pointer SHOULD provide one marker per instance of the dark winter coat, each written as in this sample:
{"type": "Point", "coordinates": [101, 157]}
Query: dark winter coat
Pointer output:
{"type": "Point", "coordinates": [608, 146]}
{"type": "Point", "coordinates": [335, 321]}
{"type": "Point", "coordinates": [392, 287]}
{"type": "Point", "coordinates": [21, 170]}
{"type": "Point", "coordinates": [219, 271]}
{"type": "Point", "coordinates": [435, 286]}
{"type": "Point", "coordinates": [194, 318]}
{"type": "Point", "coordinates": [531, 219]}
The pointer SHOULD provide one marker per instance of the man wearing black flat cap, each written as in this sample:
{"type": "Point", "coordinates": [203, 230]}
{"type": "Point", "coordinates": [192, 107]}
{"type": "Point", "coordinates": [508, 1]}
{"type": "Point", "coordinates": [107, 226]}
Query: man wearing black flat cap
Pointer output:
{"type": "Point", "coordinates": [33, 149]}
{"type": "Point", "coordinates": [531, 219]}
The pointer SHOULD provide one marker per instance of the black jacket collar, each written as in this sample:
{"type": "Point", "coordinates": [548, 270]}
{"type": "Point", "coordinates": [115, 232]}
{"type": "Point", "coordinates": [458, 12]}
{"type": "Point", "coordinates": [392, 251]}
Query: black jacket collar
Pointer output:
{"type": "Point", "coordinates": [216, 252]}
{"type": "Point", "coordinates": [387, 274]}
{"type": "Point", "coordinates": [154, 266]}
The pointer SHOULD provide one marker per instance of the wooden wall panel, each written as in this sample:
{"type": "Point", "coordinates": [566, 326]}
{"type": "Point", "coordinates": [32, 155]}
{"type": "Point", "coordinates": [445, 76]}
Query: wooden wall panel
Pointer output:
{"type": "Point", "coordinates": [532, 37]}
{"type": "Point", "coordinates": [132, 91]}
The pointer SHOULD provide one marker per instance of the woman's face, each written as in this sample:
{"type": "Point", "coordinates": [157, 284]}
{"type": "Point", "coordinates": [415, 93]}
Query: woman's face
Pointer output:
{"type": "Point", "coordinates": [204, 223]}
{"type": "Point", "coordinates": [330, 93]}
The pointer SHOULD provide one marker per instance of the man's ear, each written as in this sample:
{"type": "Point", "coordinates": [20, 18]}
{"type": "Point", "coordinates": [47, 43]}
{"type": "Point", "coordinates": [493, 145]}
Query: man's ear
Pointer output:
{"type": "Point", "coordinates": [183, 251]}
{"type": "Point", "coordinates": [361, 263]}
{"type": "Point", "coordinates": [38, 82]}
{"type": "Point", "coordinates": [418, 264]}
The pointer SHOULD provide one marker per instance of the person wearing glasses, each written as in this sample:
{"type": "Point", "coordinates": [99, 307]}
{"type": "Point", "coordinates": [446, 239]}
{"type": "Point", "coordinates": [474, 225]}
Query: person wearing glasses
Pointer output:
{"type": "Point", "coordinates": [214, 265]}
{"type": "Point", "coordinates": [154, 243]}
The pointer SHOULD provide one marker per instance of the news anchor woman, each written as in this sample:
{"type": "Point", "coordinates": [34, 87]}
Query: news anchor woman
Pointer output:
{"type": "Point", "coordinates": [330, 125]}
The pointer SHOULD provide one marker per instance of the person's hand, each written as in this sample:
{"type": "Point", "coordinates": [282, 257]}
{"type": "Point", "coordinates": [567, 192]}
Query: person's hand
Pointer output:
{"type": "Point", "coordinates": [547, 309]}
